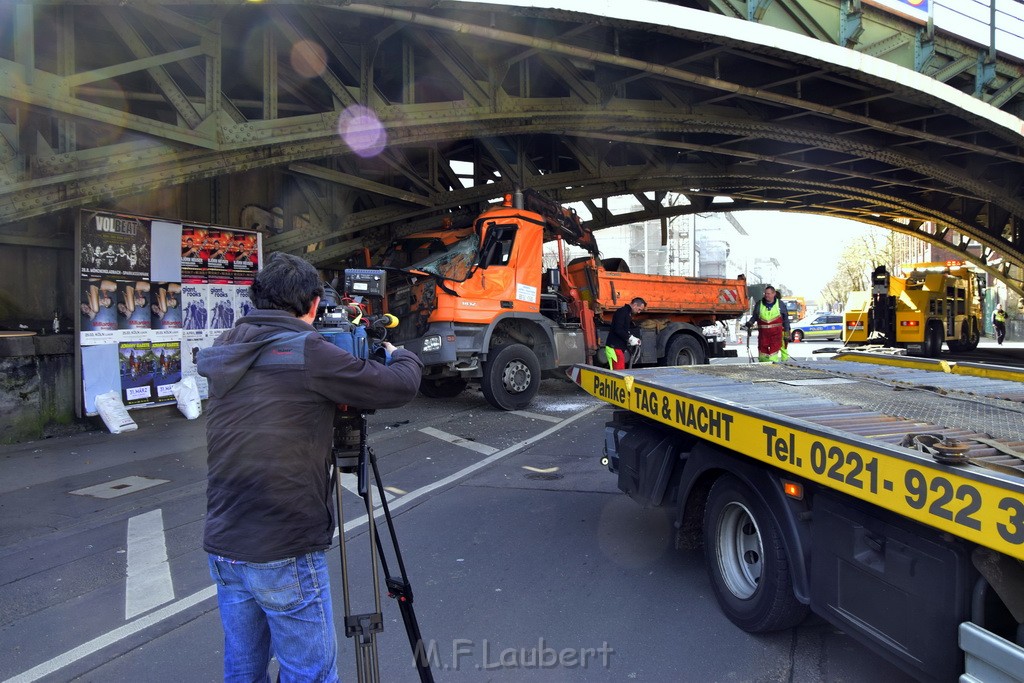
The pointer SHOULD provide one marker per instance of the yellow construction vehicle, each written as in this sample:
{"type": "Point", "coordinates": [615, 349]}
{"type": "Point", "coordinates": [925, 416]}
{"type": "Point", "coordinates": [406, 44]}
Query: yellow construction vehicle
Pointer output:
{"type": "Point", "coordinates": [931, 304]}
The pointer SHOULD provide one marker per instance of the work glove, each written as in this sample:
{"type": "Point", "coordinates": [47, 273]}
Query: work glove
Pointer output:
{"type": "Point", "coordinates": [633, 341]}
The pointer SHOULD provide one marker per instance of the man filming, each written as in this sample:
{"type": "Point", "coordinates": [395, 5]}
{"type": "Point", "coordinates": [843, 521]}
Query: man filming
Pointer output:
{"type": "Point", "coordinates": [275, 384]}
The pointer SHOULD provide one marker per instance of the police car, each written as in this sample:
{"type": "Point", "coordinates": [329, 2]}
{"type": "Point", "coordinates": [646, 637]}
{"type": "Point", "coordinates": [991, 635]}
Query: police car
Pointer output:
{"type": "Point", "coordinates": [818, 326]}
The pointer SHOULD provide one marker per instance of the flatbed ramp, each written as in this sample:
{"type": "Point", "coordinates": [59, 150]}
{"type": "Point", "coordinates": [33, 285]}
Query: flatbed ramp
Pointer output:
{"type": "Point", "coordinates": [949, 458]}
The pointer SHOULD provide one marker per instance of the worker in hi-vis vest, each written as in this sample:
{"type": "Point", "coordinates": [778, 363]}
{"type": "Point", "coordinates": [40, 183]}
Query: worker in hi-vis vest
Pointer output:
{"type": "Point", "coordinates": [772, 322]}
{"type": "Point", "coordinates": [999, 322]}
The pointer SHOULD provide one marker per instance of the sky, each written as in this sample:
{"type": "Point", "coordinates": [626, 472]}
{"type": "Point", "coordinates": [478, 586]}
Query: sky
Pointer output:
{"type": "Point", "coordinates": [807, 247]}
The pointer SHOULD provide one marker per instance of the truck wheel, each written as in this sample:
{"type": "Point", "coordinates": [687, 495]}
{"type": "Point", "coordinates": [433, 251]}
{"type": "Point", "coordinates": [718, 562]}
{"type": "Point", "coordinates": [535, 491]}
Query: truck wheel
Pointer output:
{"type": "Point", "coordinates": [448, 387]}
{"type": "Point", "coordinates": [511, 378]}
{"type": "Point", "coordinates": [933, 341]}
{"type": "Point", "coordinates": [746, 559]}
{"type": "Point", "coordinates": [684, 350]}
{"type": "Point", "coordinates": [975, 337]}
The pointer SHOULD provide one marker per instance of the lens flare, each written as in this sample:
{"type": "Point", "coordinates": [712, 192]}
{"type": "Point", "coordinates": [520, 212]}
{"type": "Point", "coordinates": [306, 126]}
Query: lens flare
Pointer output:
{"type": "Point", "coordinates": [362, 131]}
{"type": "Point", "coordinates": [308, 59]}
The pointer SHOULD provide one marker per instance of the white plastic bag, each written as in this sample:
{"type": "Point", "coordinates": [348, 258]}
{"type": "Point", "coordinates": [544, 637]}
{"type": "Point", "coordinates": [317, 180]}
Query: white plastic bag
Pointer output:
{"type": "Point", "coordinates": [187, 393]}
{"type": "Point", "coordinates": [115, 415]}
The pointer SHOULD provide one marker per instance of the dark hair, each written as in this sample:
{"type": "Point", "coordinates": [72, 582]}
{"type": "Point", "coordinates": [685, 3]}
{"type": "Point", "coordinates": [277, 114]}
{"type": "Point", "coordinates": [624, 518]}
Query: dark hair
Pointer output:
{"type": "Point", "coordinates": [286, 283]}
{"type": "Point", "coordinates": [640, 301]}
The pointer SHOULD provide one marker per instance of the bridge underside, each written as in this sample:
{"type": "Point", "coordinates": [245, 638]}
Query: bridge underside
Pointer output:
{"type": "Point", "coordinates": [353, 119]}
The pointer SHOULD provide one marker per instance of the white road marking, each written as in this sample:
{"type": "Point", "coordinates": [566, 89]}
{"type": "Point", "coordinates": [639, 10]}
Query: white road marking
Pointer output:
{"type": "Point", "coordinates": [149, 576]}
{"type": "Point", "coordinates": [537, 416]}
{"type": "Point", "coordinates": [459, 441]}
{"type": "Point", "coordinates": [153, 618]}
{"type": "Point", "coordinates": [351, 481]}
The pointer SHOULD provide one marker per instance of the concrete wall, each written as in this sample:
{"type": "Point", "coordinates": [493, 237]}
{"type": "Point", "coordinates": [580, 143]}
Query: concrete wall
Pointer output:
{"type": "Point", "coordinates": [37, 387]}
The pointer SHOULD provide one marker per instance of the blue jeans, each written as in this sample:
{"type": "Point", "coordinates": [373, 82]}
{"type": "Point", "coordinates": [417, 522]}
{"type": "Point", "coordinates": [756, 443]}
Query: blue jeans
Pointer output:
{"type": "Point", "coordinates": [281, 607]}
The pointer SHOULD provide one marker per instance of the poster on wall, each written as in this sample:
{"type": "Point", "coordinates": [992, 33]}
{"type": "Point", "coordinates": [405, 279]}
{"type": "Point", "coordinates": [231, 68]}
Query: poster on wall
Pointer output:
{"type": "Point", "coordinates": [243, 303]}
{"type": "Point", "coordinates": [115, 245]}
{"type": "Point", "coordinates": [246, 261]}
{"type": "Point", "coordinates": [221, 307]}
{"type": "Point", "coordinates": [218, 269]}
{"type": "Point", "coordinates": [166, 366]}
{"type": "Point", "coordinates": [193, 306]}
{"type": "Point", "coordinates": [166, 306]}
{"type": "Point", "coordinates": [133, 311]}
{"type": "Point", "coordinates": [135, 360]}
{"type": "Point", "coordinates": [98, 311]}
{"type": "Point", "coordinates": [195, 252]}
{"type": "Point", "coordinates": [192, 341]}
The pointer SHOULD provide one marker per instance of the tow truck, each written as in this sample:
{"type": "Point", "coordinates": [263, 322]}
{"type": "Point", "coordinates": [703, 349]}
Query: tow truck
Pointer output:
{"type": "Point", "coordinates": [883, 493]}
{"type": "Point", "coordinates": [475, 303]}
{"type": "Point", "coordinates": [932, 304]}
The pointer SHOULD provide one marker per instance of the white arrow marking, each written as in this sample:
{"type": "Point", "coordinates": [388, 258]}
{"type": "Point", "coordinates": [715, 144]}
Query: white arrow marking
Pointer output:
{"type": "Point", "coordinates": [149, 576]}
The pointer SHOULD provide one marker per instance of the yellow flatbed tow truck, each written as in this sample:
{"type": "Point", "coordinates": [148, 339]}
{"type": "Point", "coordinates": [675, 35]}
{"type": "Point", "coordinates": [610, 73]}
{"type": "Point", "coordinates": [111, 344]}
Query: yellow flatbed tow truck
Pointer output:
{"type": "Point", "coordinates": [886, 496]}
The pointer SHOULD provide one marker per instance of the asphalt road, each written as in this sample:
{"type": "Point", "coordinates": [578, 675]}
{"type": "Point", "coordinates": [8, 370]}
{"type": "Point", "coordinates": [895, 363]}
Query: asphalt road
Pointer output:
{"type": "Point", "coordinates": [525, 560]}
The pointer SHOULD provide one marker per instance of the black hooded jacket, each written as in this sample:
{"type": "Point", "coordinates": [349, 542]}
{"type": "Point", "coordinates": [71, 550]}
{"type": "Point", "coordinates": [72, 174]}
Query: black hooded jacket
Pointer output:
{"type": "Point", "coordinates": [275, 384]}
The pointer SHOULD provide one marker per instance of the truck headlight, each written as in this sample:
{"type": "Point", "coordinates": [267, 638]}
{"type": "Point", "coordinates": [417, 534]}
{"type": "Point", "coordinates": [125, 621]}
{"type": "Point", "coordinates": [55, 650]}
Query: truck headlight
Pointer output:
{"type": "Point", "coordinates": [431, 343]}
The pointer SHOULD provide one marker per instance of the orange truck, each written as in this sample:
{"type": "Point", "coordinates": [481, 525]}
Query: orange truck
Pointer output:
{"type": "Point", "coordinates": [476, 304]}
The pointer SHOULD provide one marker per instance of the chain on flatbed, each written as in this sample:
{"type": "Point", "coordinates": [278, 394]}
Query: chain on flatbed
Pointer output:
{"type": "Point", "coordinates": [842, 424]}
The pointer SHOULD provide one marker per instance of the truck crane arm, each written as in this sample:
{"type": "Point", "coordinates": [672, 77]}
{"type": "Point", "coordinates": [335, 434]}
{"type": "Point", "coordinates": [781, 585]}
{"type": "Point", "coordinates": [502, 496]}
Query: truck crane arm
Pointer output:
{"type": "Point", "coordinates": [560, 221]}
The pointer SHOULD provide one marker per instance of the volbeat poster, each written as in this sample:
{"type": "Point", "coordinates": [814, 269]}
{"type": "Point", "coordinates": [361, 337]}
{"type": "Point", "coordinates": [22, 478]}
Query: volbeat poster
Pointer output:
{"type": "Point", "coordinates": [136, 364]}
{"type": "Point", "coordinates": [115, 245]}
{"type": "Point", "coordinates": [166, 365]}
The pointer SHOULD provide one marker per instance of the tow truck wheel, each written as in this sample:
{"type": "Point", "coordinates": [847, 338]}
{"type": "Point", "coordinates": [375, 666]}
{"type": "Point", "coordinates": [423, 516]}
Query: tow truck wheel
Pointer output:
{"type": "Point", "coordinates": [975, 336]}
{"type": "Point", "coordinates": [684, 350]}
{"type": "Point", "coordinates": [933, 341]}
{"type": "Point", "coordinates": [449, 387]}
{"type": "Point", "coordinates": [511, 378]}
{"type": "Point", "coordinates": [746, 559]}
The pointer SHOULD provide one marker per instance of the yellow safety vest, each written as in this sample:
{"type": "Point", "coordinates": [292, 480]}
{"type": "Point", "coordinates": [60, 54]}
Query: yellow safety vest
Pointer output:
{"type": "Point", "coordinates": [1000, 317]}
{"type": "Point", "coordinates": [769, 315]}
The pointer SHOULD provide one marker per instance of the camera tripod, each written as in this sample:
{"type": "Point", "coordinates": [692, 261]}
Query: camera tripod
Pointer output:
{"type": "Point", "coordinates": [351, 454]}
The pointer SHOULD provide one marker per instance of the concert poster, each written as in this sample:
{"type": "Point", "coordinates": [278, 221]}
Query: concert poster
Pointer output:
{"type": "Point", "coordinates": [116, 246]}
{"type": "Point", "coordinates": [166, 367]}
{"type": "Point", "coordinates": [135, 359]}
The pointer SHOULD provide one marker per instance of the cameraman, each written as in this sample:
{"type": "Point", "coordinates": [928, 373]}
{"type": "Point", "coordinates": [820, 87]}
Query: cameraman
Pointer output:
{"type": "Point", "coordinates": [275, 384]}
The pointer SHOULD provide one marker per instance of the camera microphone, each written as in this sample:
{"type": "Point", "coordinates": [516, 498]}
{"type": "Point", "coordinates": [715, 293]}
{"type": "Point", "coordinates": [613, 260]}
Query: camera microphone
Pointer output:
{"type": "Point", "coordinates": [385, 320]}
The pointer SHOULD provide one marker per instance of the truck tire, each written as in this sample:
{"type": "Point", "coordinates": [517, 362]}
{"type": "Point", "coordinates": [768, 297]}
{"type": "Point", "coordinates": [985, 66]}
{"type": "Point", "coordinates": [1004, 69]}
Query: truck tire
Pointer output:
{"type": "Point", "coordinates": [511, 378]}
{"type": "Point", "coordinates": [975, 336]}
{"type": "Point", "coordinates": [746, 559]}
{"type": "Point", "coordinates": [933, 338]}
{"type": "Point", "coordinates": [448, 387]}
{"type": "Point", "coordinates": [684, 350]}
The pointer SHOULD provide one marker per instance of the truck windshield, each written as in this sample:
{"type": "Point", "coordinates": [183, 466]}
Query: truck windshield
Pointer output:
{"type": "Point", "coordinates": [451, 262]}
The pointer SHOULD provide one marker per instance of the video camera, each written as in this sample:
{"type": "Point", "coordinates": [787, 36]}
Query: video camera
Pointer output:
{"type": "Point", "coordinates": [355, 321]}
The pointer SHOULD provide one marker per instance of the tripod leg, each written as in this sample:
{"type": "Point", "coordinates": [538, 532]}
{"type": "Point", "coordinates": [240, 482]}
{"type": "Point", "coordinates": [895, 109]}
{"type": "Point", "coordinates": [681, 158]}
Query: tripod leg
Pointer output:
{"type": "Point", "coordinates": [399, 587]}
{"type": "Point", "coordinates": [363, 628]}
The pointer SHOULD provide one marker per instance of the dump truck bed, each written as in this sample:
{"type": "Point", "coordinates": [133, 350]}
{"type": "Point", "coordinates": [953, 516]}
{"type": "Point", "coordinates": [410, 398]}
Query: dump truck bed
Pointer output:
{"type": "Point", "coordinates": [715, 298]}
{"type": "Point", "coordinates": [842, 423]}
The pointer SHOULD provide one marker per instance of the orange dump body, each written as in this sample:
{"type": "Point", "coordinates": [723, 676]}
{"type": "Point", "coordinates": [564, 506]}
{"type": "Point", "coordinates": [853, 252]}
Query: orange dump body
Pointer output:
{"type": "Point", "coordinates": [681, 299]}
